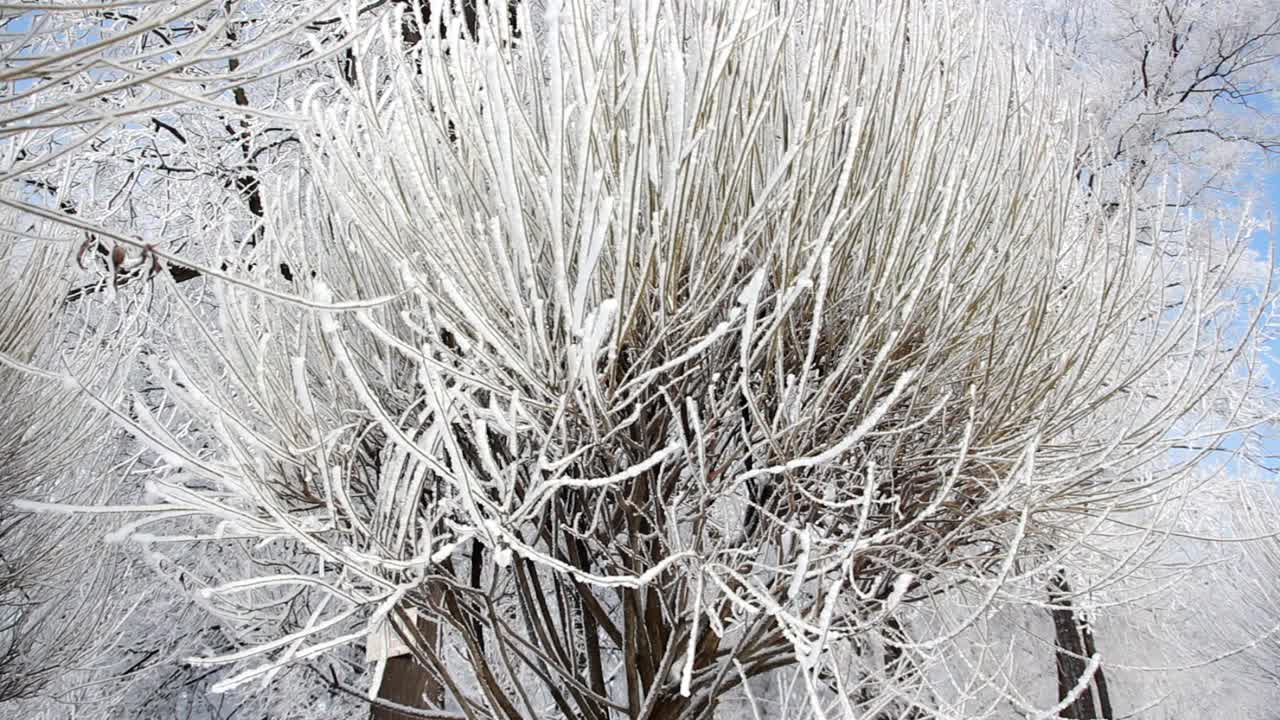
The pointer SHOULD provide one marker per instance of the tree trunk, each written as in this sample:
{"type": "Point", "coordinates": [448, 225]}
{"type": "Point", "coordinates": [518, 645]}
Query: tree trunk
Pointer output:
{"type": "Point", "coordinates": [1075, 645]}
{"type": "Point", "coordinates": [406, 682]}
{"type": "Point", "coordinates": [1099, 680]}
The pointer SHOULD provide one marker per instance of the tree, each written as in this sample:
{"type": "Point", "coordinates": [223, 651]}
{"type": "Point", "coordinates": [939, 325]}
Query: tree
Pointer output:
{"type": "Point", "coordinates": [694, 349]}
{"type": "Point", "coordinates": [147, 129]}
{"type": "Point", "coordinates": [49, 593]}
{"type": "Point", "coordinates": [628, 361]}
{"type": "Point", "coordinates": [1176, 93]}
{"type": "Point", "coordinates": [1181, 83]}
{"type": "Point", "coordinates": [159, 121]}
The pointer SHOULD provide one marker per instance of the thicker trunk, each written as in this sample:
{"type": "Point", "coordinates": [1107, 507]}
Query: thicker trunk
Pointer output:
{"type": "Point", "coordinates": [406, 682]}
{"type": "Point", "coordinates": [1075, 645]}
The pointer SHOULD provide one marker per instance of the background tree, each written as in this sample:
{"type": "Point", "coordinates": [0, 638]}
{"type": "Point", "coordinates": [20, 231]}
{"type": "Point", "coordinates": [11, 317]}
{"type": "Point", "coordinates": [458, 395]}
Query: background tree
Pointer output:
{"type": "Point", "coordinates": [1178, 95]}
{"type": "Point", "coordinates": [41, 634]}
{"type": "Point", "coordinates": [146, 128]}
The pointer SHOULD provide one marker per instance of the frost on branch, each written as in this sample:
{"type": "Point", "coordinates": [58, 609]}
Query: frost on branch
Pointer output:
{"type": "Point", "coordinates": [693, 346]}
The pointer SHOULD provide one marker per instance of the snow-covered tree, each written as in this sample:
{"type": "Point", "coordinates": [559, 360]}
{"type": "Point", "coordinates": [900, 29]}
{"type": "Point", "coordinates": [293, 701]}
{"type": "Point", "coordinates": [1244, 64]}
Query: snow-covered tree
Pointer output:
{"type": "Point", "coordinates": [648, 359]}
{"type": "Point", "coordinates": [50, 591]}
{"type": "Point", "coordinates": [1178, 98]}
{"type": "Point", "coordinates": [132, 133]}
{"type": "Point", "coordinates": [658, 355]}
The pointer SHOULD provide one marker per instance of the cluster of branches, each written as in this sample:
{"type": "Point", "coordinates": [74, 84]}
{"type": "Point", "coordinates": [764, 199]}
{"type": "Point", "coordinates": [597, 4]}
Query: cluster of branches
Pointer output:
{"type": "Point", "coordinates": [49, 589]}
{"type": "Point", "coordinates": [623, 360]}
{"type": "Point", "coordinates": [130, 133]}
{"type": "Point", "coordinates": [666, 349]}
